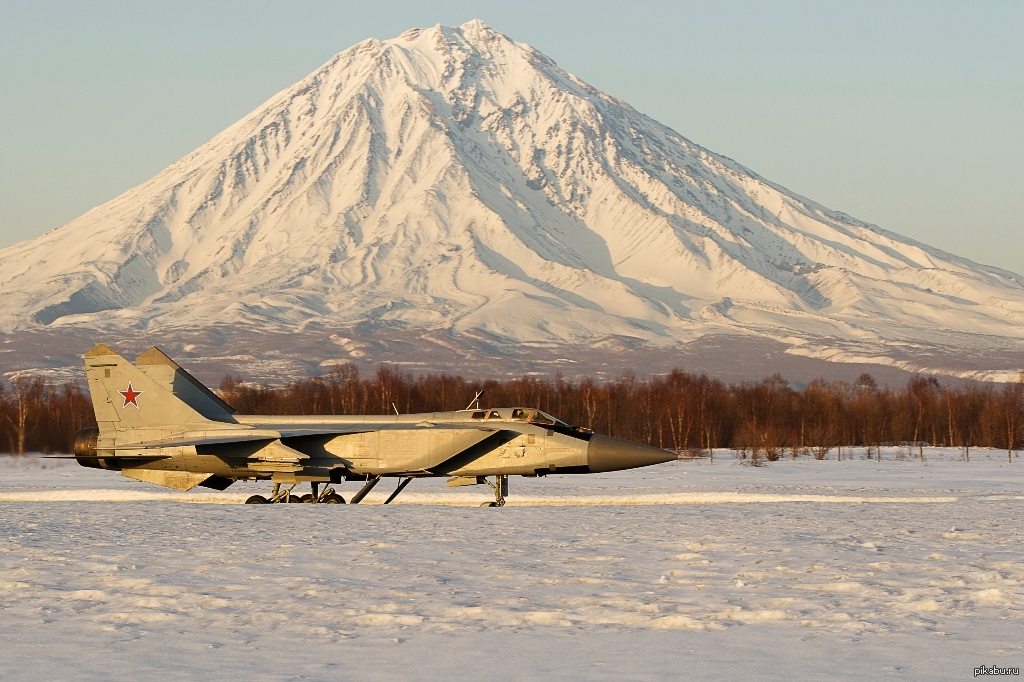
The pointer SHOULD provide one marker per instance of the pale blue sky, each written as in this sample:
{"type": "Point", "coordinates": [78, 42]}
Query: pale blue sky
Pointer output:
{"type": "Point", "coordinates": [909, 115]}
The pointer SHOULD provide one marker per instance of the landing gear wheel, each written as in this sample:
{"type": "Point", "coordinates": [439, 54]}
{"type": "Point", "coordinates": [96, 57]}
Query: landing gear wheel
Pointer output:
{"type": "Point", "coordinates": [257, 499]}
{"type": "Point", "coordinates": [334, 498]}
{"type": "Point", "coordinates": [307, 499]}
{"type": "Point", "coordinates": [293, 499]}
{"type": "Point", "coordinates": [489, 504]}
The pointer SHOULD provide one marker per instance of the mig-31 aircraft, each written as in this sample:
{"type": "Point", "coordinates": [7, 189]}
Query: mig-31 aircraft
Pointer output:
{"type": "Point", "coordinates": [158, 424]}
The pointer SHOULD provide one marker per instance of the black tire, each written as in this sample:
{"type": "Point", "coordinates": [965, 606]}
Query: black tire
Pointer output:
{"type": "Point", "coordinates": [334, 498]}
{"type": "Point", "coordinates": [489, 504]}
{"type": "Point", "coordinates": [257, 499]}
{"type": "Point", "coordinates": [307, 499]}
{"type": "Point", "coordinates": [294, 498]}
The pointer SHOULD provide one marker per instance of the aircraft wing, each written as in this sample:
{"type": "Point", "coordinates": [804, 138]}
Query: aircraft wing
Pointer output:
{"type": "Point", "coordinates": [276, 432]}
{"type": "Point", "coordinates": [141, 458]}
{"type": "Point", "coordinates": [201, 438]}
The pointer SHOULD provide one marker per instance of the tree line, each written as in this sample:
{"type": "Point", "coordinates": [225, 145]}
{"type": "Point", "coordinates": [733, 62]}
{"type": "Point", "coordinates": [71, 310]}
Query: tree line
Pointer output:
{"type": "Point", "coordinates": [682, 411]}
{"type": "Point", "coordinates": [37, 415]}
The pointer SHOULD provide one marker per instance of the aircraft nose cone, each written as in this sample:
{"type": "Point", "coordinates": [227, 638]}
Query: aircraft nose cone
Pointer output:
{"type": "Point", "coordinates": [611, 454]}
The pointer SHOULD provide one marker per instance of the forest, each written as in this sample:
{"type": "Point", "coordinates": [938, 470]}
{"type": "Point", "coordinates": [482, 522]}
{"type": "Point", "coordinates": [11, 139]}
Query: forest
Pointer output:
{"type": "Point", "coordinates": [689, 413]}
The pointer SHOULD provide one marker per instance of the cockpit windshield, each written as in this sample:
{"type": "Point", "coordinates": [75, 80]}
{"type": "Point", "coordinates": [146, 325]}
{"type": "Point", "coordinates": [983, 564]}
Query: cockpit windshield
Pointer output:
{"type": "Point", "coordinates": [544, 419]}
{"type": "Point", "coordinates": [536, 417]}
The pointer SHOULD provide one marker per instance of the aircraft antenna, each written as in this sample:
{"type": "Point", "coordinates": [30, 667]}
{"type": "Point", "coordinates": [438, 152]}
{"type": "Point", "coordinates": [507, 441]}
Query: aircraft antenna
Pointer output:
{"type": "Point", "coordinates": [396, 410]}
{"type": "Point", "coordinates": [475, 401]}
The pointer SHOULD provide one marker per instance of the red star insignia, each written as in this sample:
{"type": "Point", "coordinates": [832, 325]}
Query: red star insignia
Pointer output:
{"type": "Point", "coordinates": [131, 396]}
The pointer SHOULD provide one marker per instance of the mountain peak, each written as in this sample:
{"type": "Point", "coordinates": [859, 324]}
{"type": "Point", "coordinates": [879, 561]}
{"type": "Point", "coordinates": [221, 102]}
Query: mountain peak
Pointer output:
{"type": "Point", "coordinates": [453, 179]}
{"type": "Point", "coordinates": [476, 26]}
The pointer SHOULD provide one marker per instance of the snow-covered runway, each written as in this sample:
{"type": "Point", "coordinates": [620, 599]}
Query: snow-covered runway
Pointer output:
{"type": "Point", "coordinates": [802, 570]}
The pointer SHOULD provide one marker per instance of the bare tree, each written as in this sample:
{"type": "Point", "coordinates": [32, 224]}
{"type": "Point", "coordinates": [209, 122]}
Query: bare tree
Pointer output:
{"type": "Point", "coordinates": [588, 397]}
{"type": "Point", "coordinates": [25, 406]}
{"type": "Point", "coordinates": [1012, 400]}
{"type": "Point", "coordinates": [921, 391]}
{"type": "Point", "coordinates": [4, 420]}
{"type": "Point", "coordinates": [822, 436]}
{"type": "Point", "coordinates": [770, 444]}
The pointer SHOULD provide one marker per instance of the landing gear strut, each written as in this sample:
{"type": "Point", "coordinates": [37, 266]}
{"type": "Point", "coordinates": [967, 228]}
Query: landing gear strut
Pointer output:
{"type": "Point", "coordinates": [500, 487]}
{"type": "Point", "coordinates": [329, 496]}
{"type": "Point", "coordinates": [400, 488]}
{"type": "Point", "coordinates": [370, 482]}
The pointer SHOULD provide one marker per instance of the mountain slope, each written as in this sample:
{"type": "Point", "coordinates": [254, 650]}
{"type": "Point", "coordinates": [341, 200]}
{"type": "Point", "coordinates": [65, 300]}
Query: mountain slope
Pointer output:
{"type": "Point", "coordinates": [453, 179]}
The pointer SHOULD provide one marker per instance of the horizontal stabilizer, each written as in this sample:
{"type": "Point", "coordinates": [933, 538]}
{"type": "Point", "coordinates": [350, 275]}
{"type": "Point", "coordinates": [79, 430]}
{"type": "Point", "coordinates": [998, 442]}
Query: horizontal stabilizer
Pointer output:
{"type": "Point", "coordinates": [178, 480]}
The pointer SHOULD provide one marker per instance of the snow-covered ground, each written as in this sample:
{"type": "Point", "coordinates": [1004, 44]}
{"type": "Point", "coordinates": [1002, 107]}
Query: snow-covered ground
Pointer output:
{"type": "Point", "coordinates": [799, 570]}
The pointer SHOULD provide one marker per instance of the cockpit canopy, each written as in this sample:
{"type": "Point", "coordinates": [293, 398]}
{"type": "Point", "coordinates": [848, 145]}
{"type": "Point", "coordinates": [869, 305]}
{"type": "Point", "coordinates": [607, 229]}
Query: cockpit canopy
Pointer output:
{"type": "Point", "coordinates": [519, 414]}
{"type": "Point", "coordinates": [535, 417]}
{"type": "Point", "coordinates": [486, 414]}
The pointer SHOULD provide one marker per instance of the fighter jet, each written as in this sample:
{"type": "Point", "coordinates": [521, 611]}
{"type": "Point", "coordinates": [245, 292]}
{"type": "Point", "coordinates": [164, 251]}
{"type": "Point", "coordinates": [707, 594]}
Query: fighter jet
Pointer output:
{"type": "Point", "coordinates": [158, 424]}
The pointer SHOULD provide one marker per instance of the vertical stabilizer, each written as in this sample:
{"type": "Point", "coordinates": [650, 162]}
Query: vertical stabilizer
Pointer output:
{"type": "Point", "coordinates": [124, 396]}
{"type": "Point", "coordinates": [155, 363]}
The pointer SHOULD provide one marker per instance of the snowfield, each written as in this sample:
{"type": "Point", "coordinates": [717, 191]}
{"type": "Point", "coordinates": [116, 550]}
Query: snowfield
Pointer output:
{"type": "Point", "coordinates": [799, 570]}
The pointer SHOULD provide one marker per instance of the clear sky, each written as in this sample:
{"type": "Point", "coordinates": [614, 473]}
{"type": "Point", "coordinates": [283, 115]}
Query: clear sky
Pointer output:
{"type": "Point", "coordinates": [909, 115]}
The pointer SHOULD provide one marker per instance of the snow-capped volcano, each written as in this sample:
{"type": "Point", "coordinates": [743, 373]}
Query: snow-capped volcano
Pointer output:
{"type": "Point", "coordinates": [454, 179]}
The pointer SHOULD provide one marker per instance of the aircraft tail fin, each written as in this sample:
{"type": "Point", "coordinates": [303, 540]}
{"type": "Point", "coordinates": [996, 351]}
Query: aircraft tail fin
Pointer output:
{"type": "Point", "coordinates": [156, 393]}
{"type": "Point", "coordinates": [187, 388]}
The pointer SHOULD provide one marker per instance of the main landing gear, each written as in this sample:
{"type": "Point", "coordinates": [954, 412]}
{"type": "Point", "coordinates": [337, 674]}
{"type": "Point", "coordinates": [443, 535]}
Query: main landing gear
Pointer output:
{"type": "Point", "coordinates": [500, 487]}
{"type": "Point", "coordinates": [329, 496]}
